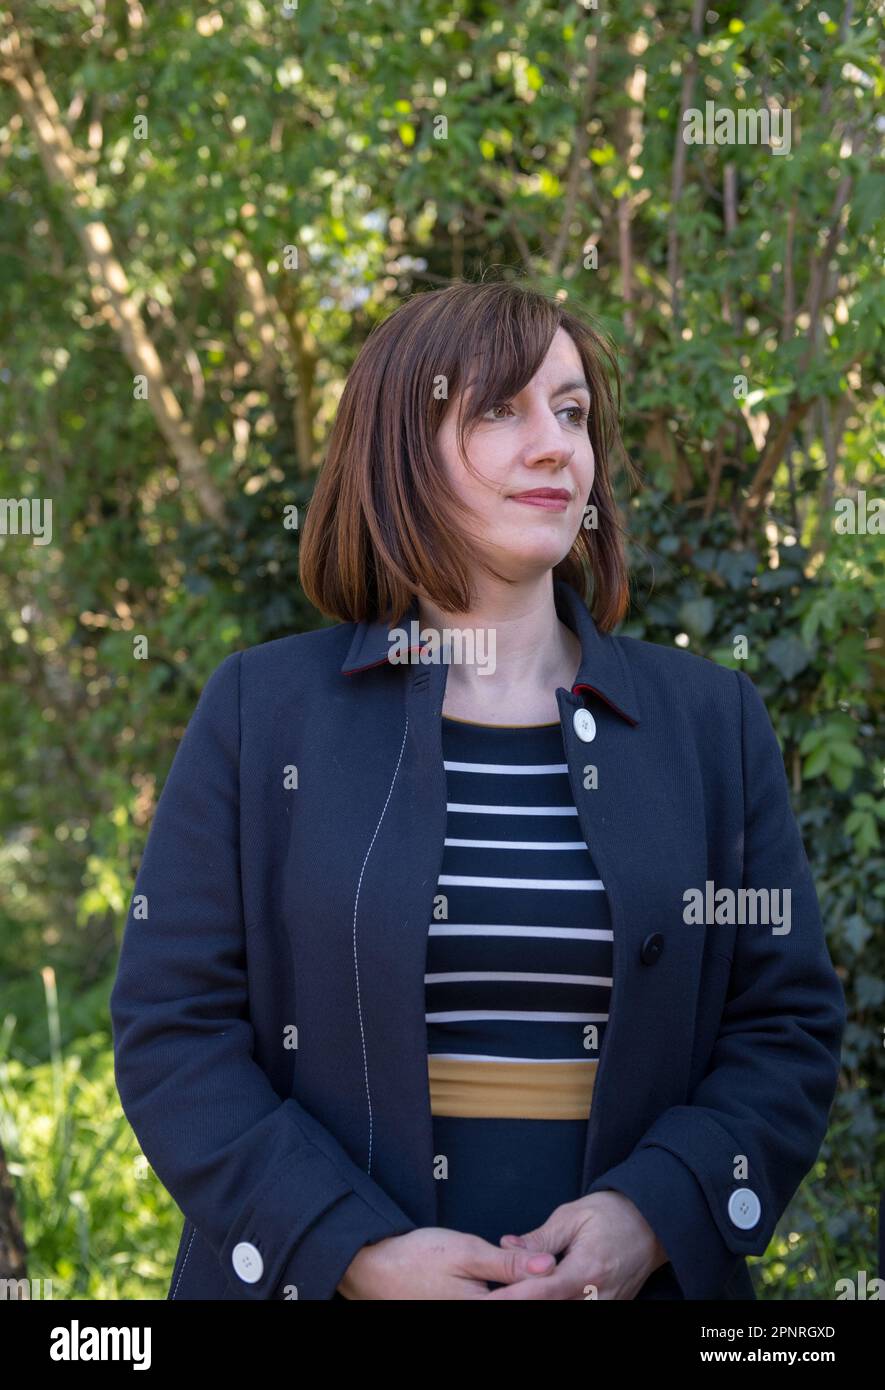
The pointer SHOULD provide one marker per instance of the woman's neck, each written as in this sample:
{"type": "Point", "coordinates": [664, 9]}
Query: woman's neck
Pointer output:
{"type": "Point", "coordinates": [528, 652]}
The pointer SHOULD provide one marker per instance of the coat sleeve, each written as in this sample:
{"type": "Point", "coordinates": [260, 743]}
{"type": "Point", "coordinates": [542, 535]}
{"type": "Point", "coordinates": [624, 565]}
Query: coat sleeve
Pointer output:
{"type": "Point", "coordinates": [247, 1167]}
{"type": "Point", "coordinates": [774, 1068]}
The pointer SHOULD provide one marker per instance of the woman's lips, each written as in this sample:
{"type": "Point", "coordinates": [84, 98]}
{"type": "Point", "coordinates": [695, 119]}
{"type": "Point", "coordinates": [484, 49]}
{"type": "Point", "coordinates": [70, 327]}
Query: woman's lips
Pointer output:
{"type": "Point", "coordinates": [550, 504]}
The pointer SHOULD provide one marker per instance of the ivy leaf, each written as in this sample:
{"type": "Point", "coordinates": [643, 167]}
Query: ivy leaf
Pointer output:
{"type": "Point", "coordinates": [870, 991]}
{"type": "Point", "coordinates": [737, 567]}
{"type": "Point", "coordinates": [780, 578]}
{"type": "Point", "coordinates": [857, 932]}
{"type": "Point", "coordinates": [668, 545]}
{"type": "Point", "coordinates": [698, 615]}
{"type": "Point", "coordinates": [789, 655]}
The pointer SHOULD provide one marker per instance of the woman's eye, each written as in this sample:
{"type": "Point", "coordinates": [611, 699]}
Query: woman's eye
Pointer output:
{"type": "Point", "coordinates": [579, 412]}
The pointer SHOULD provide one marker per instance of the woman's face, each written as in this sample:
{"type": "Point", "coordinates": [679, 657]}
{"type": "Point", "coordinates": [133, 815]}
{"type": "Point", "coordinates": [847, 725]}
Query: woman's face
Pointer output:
{"type": "Point", "coordinates": [538, 440]}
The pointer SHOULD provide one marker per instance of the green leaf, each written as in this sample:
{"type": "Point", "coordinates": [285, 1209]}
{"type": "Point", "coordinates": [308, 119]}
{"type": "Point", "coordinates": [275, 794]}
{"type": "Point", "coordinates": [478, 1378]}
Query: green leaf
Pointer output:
{"type": "Point", "coordinates": [846, 753]}
{"type": "Point", "coordinates": [698, 615]}
{"type": "Point", "coordinates": [789, 655]}
{"type": "Point", "coordinates": [810, 739]}
{"type": "Point", "coordinates": [840, 776]}
{"type": "Point", "coordinates": [817, 763]}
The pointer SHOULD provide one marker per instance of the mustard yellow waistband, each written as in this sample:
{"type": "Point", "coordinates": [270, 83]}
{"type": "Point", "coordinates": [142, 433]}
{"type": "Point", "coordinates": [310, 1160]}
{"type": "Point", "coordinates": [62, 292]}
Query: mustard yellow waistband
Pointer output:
{"type": "Point", "coordinates": [516, 1090]}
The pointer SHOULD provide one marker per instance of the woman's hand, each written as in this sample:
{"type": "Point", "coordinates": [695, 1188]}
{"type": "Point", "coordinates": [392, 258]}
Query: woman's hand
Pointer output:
{"type": "Point", "coordinates": [607, 1243]}
{"type": "Point", "coordinates": [435, 1263]}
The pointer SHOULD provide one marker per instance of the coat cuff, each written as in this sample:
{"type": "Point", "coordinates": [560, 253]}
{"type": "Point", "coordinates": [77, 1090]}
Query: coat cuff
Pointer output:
{"type": "Point", "coordinates": [324, 1252]}
{"type": "Point", "coordinates": [670, 1198]}
{"type": "Point", "coordinates": [309, 1217]}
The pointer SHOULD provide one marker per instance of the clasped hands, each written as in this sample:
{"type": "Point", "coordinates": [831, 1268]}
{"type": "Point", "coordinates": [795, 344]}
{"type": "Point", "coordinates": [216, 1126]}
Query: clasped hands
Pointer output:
{"type": "Point", "coordinates": [608, 1251]}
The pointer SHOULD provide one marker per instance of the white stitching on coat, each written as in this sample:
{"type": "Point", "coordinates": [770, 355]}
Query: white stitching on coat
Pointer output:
{"type": "Point", "coordinates": [184, 1261]}
{"type": "Point", "coordinates": [355, 963]}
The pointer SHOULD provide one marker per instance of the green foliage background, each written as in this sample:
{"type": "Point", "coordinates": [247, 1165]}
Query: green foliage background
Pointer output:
{"type": "Point", "coordinates": [321, 129]}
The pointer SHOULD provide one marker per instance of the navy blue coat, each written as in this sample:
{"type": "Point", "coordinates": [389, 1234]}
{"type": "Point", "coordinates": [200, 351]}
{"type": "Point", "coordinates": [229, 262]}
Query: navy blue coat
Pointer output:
{"type": "Point", "coordinates": [268, 1011]}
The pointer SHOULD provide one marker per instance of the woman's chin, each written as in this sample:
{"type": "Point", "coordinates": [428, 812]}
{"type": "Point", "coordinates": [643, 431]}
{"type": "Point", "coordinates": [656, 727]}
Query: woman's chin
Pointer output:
{"type": "Point", "coordinates": [540, 551]}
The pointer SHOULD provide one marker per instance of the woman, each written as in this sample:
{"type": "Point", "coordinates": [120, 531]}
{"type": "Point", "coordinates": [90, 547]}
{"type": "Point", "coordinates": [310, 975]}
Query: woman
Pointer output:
{"type": "Point", "coordinates": [475, 952]}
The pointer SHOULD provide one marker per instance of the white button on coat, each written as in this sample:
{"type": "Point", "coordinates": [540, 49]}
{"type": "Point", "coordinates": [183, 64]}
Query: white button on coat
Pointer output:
{"type": "Point", "coordinates": [744, 1208]}
{"type": "Point", "coordinates": [247, 1262]}
{"type": "Point", "coordinates": [585, 725]}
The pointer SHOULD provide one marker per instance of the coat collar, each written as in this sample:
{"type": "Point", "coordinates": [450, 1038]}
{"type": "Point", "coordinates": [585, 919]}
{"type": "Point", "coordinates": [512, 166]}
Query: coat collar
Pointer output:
{"type": "Point", "coordinates": [603, 669]}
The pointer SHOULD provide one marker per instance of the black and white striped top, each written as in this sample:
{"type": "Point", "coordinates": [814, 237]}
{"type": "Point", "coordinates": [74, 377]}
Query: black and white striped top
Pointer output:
{"type": "Point", "coordinates": [519, 970]}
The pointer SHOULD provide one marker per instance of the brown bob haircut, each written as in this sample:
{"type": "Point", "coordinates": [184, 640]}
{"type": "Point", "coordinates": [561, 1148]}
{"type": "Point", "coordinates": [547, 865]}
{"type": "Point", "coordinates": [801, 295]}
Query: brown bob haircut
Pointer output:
{"type": "Point", "coordinates": [383, 524]}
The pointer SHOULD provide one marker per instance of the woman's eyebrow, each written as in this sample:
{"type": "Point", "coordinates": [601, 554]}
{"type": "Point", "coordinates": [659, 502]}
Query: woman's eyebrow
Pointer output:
{"type": "Point", "coordinates": [578, 384]}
